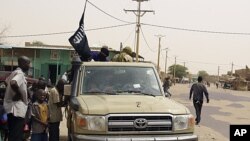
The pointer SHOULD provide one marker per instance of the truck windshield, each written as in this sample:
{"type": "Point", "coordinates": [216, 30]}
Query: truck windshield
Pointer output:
{"type": "Point", "coordinates": [120, 81]}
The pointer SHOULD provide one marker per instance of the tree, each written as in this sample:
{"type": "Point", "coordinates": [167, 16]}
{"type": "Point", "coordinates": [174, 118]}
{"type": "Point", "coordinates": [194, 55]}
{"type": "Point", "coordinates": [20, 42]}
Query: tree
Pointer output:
{"type": "Point", "coordinates": [180, 71]}
{"type": "Point", "coordinates": [203, 74]}
{"type": "Point", "coordinates": [37, 43]}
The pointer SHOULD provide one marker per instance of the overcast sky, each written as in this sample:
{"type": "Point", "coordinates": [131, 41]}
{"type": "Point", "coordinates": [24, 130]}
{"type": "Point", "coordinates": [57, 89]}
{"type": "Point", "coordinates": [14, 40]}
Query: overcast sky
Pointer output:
{"type": "Point", "coordinates": [199, 50]}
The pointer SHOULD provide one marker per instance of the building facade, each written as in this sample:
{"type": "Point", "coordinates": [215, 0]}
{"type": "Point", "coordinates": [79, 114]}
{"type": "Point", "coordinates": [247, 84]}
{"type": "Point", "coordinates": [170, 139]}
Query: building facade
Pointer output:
{"type": "Point", "coordinates": [48, 61]}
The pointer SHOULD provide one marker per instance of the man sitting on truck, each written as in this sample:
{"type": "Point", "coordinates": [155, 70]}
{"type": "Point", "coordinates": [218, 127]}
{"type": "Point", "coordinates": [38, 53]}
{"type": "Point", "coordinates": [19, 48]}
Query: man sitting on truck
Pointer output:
{"type": "Point", "coordinates": [124, 56]}
{"type": "Point", "coordinates": [102, 55]}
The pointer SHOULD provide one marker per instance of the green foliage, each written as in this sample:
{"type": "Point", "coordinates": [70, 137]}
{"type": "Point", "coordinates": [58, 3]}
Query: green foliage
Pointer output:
{"type": "Point", "coordinates": [180, 71]}
{"type": "Point", "coordinates": [203, 74]}
{"type": "Point", "coordinates": [37, 43]}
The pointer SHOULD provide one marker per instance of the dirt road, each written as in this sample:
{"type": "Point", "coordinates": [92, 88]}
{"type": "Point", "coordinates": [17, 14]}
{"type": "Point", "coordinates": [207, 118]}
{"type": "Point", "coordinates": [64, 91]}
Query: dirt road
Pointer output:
{"type": "Point", "coordinates": [225, 107]}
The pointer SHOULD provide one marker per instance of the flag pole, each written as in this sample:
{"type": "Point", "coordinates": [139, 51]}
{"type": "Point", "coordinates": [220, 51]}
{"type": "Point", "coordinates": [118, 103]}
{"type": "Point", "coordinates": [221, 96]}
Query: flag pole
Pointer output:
{"type": "Point", "coordinates": [83, 14]}
{"type": "Point", "coordinates": [79, 40]}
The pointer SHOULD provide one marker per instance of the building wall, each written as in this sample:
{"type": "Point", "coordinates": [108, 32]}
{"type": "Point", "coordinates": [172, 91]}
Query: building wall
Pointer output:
{"type": "Point", "coordinates": [42, 61]}
{"type": "Point", "coordinates": [47, 61]}
{"type": "Point", "coordinates": [50, 66]}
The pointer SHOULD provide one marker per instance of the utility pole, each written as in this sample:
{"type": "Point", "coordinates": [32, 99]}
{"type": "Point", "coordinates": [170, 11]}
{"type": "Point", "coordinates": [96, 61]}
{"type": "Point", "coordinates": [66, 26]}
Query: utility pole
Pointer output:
{"type": "Point", "coordinates": [121, 46]}
{"type": "Point", "coordinates": [159, 49]}
{"type": "Point", "coordinates": [139, 13]}
{"type": "Point", "coordinates": [174, 68]}
{"type": "Point", "coordinates": [232, 69]}
{"type": "Point", "coordinates": [184, 64]}
{"type": "Point", "coordinates": [218, 73]}
{"type": "Point", "coordinates": [166, 60]}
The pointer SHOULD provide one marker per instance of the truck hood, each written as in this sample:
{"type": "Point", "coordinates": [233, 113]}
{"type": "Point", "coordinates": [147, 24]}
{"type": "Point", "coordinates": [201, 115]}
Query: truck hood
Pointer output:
{"type": "Point", "coordinates": [108, 104]}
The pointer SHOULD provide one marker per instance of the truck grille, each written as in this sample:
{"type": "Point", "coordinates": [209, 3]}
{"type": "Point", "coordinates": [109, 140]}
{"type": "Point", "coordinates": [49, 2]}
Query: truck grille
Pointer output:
{"type": "Point", "coordinates": [141, 123]}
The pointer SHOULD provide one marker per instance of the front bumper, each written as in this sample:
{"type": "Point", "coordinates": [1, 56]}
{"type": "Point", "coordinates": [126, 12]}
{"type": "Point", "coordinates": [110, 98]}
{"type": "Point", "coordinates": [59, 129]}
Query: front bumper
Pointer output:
{"type": "Point", "coordinates": [178, 137]}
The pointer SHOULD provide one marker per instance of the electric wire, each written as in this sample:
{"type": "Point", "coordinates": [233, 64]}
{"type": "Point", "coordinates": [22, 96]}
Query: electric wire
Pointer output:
{"type": "Point", "coordinates": [128, 36]}
{"type": "Point", "coordinates": [67, 32]}
{"type": "Point", "coordinates": [196, 30]}
{"type": "Point", "coordinates": [159, 26]}
{"type": "Point", "coordinates": [107, 13]}
{"type": "Point", "coordinates": [199, 62]}
{"type": "Point", "coordinates": [146, 41]}
{"type": "Point", "coordinates": [175, 28]}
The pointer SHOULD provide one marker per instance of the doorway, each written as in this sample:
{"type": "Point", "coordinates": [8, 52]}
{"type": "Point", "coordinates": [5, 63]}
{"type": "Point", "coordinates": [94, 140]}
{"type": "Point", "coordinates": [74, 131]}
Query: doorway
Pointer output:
{"type": "Point", "coordinates": [53, 73]}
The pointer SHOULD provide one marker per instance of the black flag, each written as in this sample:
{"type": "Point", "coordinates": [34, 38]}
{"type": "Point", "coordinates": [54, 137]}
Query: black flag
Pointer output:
{"type": "Point", "coordinates": [80, 42]}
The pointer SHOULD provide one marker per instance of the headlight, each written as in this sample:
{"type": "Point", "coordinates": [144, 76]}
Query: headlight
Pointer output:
{"type": "Point", "coordinates": [183, 122]}
{"type": "Point", "coordinates": [94, 123]}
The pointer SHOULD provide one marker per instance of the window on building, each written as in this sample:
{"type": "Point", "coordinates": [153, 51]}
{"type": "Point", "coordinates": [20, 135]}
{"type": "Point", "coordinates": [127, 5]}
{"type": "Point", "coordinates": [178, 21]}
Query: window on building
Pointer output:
{"type": "Point", "coordinates": [54, 55]}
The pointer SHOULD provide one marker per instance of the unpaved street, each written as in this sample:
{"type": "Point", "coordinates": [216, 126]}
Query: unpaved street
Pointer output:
{"type": "Point", "coordinates": [226, 107]}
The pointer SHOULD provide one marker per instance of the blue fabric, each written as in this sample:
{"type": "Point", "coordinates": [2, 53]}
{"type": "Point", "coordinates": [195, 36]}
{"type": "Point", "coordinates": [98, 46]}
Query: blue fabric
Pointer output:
{"type": "Point", "coordinates": [4, 118]}
{"type": "Point", "coordinates": [94, 55]}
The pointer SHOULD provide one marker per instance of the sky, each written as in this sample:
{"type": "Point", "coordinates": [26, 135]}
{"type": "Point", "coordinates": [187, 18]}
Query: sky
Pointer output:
{"type": "Point", "coordinates": [226, 39]}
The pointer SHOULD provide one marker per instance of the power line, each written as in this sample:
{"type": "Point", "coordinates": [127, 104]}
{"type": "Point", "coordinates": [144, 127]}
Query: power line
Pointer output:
{"type": "Point", "coordinates": [108, 13]}
{"type": "Point", "coordinates": [58, 33]}
{"type": "Point", "coordinates": [199, 62]}
{"type": "Point", "coordinates": [175, 28]}
{"type": "Point", "coordinates": [128, 36]}
{"type": "Point", "coordinates": [128, 23]}
{"type": "Point", "coordinates": [146, 41]}
{"type": "Point", "coordinates": [196, 30]}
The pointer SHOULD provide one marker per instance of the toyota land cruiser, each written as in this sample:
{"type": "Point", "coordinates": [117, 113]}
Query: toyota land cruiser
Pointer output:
{"type": "Point", "coordinates": [123, 101]}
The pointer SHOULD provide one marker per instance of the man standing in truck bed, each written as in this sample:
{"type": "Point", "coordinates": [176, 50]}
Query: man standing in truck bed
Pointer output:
{"type": "Point", "coordinates": [198, 89]}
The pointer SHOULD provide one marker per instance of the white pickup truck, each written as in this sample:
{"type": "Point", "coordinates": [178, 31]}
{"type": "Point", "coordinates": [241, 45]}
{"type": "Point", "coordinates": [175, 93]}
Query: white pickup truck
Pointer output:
{"type": "Point", "coordinates": [114, 101]}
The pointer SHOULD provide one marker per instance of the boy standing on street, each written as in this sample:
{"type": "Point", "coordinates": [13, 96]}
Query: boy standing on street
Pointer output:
{"type": "Point", "coordinates": [55, 108]}
{"type": "Point", "coordinates": [40, 117]}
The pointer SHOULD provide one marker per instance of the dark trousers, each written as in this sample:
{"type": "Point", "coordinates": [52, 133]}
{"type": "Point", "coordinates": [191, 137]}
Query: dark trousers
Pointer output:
{"type": "Point", "coordinates": [198, 107]}
{"type": "Point", "coordinates": [54, 131]}
{"type": "Point", "coordinates": [39, 137]}
{"type": "Point", "coordinates": [167, 92]}
{"type": "Point", "coordinates": [15, 125]}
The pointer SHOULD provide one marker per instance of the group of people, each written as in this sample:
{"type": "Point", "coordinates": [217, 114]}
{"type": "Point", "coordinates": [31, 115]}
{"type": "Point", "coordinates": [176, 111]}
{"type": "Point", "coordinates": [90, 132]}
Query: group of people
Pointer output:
{"type": "Point", "coordinates": [42, 111]}
{"type": "Point", "coordinates": [124, 56]}
{"type": "Point", "coordinates": [33, 109]}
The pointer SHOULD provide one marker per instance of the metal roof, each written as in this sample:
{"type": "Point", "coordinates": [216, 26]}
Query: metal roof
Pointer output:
{"type": "Point", "coordinates": [5, 46]}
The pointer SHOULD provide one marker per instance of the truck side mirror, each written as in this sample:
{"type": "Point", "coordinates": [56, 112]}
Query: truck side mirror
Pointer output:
{"type": "Point", "coordinates": [67, 89]}
{"type": "Point", "coordinates": [74, 104]}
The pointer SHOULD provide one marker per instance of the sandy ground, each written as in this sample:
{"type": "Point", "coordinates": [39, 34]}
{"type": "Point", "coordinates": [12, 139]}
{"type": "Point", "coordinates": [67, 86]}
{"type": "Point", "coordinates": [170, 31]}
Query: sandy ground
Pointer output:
{"type": "Point", "coordinates": [233, 108]}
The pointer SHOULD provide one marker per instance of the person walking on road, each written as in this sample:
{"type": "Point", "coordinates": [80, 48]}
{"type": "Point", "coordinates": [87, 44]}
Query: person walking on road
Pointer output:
{"type": "Point", "coordinates": [16, 99]}
{"type": "Point", "coordinates": [166, 85]}
{"type": "Point", "coordinates": [198, 90]}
